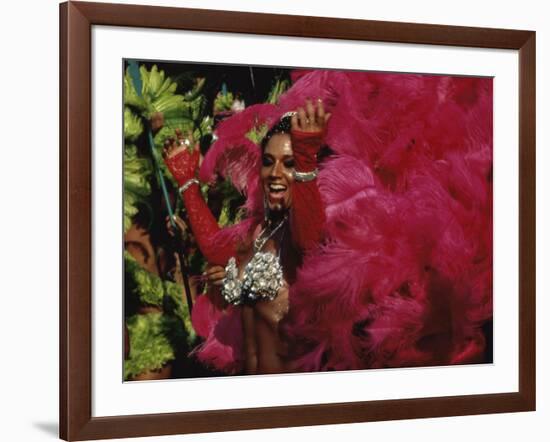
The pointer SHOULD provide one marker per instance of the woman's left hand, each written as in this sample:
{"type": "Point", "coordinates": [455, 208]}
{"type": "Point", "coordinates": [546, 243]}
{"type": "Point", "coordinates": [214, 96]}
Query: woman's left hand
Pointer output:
{"type": "Point", "coordinates": [311, 118]}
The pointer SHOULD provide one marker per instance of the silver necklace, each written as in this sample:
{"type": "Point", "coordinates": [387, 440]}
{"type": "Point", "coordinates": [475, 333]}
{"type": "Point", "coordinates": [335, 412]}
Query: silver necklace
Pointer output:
{"type": "Point", "coordinates": [259, 242]}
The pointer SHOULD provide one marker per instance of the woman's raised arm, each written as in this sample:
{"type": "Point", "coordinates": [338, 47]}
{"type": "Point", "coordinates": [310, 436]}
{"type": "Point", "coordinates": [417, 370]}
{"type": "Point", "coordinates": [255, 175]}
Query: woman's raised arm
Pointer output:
{"type": "Point", "coordinates": [183, 162]}
{"type": "Point", "coordinates": [307, 217]}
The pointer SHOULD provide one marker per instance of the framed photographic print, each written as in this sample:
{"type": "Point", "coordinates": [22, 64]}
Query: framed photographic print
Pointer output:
{"type": "Point", "coordinates": [273, 220]}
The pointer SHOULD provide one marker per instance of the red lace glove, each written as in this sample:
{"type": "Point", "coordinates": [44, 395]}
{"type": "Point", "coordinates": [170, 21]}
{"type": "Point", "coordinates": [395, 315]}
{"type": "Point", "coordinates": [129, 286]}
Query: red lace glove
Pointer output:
{"type": "Point", "coordinates": [183, 166]}
{"type": "Point", "coordinates": [307, 218]}
{"type": "Point", "coordinates": [204, 226]}
{"type": "Point", "coordinates": [305, 147]}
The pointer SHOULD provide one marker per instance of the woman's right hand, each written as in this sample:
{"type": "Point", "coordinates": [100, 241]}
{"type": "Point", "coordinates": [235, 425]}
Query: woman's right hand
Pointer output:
{"type": "Point", "coordinates": [182, 159]}
{"type": "Point", "coordinates": [215, 275]}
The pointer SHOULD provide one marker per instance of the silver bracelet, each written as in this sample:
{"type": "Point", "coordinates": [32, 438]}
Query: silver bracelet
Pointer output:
{"type": "Point", "coordinates": [304, 177]}
{"type": "Point", "coordinates": [188, 184]}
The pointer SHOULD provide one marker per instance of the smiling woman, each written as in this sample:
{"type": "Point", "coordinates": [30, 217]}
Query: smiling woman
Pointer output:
{"type": "Point", "coordinates": [263, 264]}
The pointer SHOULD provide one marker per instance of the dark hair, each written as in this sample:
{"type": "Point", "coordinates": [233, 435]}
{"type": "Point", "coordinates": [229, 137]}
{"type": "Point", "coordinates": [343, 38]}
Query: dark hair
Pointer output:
{"type": "Point", "coordinates": [282, 127]}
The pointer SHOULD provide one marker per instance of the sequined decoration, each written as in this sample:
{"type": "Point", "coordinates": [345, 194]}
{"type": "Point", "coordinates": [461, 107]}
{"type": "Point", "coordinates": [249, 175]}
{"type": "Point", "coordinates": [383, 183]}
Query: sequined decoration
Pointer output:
{"type": "Point", "coordinates": [262, 279]}
{"type": "Point", "coordinates": [231, 289]}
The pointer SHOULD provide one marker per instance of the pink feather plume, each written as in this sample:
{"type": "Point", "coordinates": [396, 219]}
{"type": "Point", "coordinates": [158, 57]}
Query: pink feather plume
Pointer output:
{"type": "Point", "coordinates": [404, 277]}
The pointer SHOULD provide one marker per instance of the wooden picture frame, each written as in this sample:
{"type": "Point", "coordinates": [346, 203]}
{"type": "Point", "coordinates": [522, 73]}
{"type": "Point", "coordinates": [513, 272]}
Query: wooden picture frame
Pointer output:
{"type": "Point", "coordinates": [76, 21]}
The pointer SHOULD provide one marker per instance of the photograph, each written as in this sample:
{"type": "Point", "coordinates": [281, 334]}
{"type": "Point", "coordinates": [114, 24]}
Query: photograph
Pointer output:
{"type": "Point", "coordinates": [271, 219]}
{"type": "Point", "coordinates": [293, 219]}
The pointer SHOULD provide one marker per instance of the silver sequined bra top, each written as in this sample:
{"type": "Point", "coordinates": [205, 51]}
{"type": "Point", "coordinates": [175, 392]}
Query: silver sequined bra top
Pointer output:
{"type": "Point", "coordinates": [262, 277]}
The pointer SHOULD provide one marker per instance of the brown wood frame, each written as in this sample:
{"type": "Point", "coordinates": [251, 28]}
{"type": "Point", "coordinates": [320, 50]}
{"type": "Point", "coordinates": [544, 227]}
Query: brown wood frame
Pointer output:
{"type": "Point", "coordinates": [76, 421]}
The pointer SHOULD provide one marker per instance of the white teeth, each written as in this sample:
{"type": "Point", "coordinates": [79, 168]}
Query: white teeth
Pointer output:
{"type": "Point", "coordinates": [276, 187]}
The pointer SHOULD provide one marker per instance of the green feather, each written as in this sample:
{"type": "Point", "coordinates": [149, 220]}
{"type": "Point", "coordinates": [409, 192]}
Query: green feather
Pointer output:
{"type": "Point", "coordinates": [150, 347]}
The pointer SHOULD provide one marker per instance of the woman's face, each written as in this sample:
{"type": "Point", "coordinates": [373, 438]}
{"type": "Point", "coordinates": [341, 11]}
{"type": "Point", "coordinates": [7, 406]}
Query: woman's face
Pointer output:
{"type": "Point", "coordinates": [276, 173]}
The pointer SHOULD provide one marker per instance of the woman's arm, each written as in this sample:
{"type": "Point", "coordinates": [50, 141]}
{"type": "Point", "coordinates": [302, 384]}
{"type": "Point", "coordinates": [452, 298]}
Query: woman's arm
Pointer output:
{"type": "Point", "coordinates": [307, 217]}
{"type": "Point", "coordinates": [183, 165]}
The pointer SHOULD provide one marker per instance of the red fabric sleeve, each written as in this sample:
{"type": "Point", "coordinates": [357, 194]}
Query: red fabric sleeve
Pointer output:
{"type": "Point", "coordinates": [307, 218]}
{"type": "Point", "coordinates": [203, 224]}
{"type": "Point", "coordinates": [205, 227]}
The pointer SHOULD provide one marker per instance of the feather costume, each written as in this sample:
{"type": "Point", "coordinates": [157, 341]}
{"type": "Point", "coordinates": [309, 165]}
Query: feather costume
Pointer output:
{"type": "Point", "coordinates": [404, 274]}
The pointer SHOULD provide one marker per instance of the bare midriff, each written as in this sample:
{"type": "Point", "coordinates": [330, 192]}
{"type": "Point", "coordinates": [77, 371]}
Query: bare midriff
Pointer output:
{"type": "Point", "coordinates": [265, 350]}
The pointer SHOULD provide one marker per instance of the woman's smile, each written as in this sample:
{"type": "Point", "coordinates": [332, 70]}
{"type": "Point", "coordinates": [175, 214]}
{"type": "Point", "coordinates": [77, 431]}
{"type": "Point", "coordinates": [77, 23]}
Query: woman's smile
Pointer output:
{"type": "Point", "coordinates": [276, 192]}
